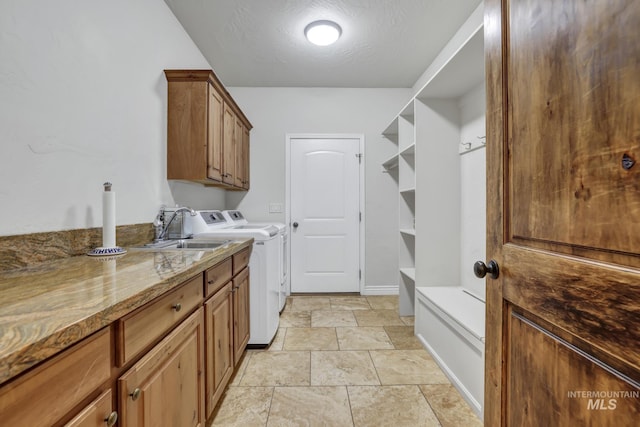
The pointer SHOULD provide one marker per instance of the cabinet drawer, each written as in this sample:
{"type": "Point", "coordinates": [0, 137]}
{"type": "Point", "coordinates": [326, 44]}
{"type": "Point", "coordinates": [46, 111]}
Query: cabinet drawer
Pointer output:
{"type": "Point", "coordinates": [241, 260]}
{"type": "Point", "coordinates": [166, 386]}
{"type": "Point", "coordinates": [148, 323]}
{"type": "Point", "coordinates": [98, 413]}
{"type": "Point", "coordinates": [46, 394]}
{"type": "Point", "coordinates": [217, 276]}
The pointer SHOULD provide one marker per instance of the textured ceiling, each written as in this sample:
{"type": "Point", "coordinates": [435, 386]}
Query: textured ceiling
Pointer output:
{"type": "Point", "coordinates": [384, 43]}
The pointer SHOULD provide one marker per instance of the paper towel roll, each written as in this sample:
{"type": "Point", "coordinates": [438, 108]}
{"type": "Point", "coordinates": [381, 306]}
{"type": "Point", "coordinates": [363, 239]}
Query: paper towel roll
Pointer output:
{"type": "Point", "coordinates": [108, 218]}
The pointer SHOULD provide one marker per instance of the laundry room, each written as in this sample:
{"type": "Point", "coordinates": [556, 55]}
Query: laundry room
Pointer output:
{"type": "Point", "coordinates": [340, 231]}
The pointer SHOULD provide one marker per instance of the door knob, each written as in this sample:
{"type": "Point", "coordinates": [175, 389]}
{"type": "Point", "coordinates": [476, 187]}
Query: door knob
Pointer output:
{"type": "Point", "coordinates": [295, 225]}
{"type": "Point", "coordinates": [480, 269]}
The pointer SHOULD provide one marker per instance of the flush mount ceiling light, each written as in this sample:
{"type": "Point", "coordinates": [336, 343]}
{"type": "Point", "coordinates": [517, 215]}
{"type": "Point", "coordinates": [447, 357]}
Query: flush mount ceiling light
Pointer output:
{"type": "Point", "coordinates": [323, 33]}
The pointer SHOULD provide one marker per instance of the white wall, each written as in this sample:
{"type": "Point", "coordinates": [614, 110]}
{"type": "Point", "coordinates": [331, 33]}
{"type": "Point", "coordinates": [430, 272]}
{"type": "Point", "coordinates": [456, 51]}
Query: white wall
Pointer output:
{"type": "Point", "coordinates": [274, 112]}
{"type": "Point", "coordinates": [83, 101]}
{"type": "Point", "coordinates": [473, 203]}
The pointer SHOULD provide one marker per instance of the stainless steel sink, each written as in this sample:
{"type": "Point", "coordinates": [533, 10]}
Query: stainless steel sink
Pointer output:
{"type": "Point", "coordinates": [170, 245]}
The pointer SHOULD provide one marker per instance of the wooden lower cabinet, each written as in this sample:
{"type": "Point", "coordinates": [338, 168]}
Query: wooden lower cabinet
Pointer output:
{"type": "Point", "coordinates": [219, 338]}
{"type": "Point", "coordinates": [49, 394]}
{"type": "Point", "coordinates": [98, 413]}
{"type": "Point", "coordinates": [166, 386]}
{"type": "Point", "coordinates": [241, 320]}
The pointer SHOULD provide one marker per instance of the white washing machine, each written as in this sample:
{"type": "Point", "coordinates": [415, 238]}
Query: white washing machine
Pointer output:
{"type": "Point", "coordinates": [237, 220]}
{"type": "Point", "coordinates": [264, 288]}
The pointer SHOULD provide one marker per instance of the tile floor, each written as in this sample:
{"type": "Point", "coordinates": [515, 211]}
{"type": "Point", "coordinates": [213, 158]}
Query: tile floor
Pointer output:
{"type": "Point", "coordinates": [342, 361]}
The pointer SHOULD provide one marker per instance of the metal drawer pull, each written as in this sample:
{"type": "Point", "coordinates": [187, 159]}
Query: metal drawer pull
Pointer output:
{"type": "Point", "coordinates": [177, 307]}
{"type": "Point", "coordinates": [135, 394]}
{"type": "Point", "coordinates": [112, 419]}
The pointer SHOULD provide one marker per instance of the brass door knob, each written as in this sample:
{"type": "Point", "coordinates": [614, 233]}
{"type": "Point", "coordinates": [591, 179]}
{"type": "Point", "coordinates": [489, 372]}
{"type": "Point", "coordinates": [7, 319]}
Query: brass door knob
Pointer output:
{"type": "Point", "coordinates": [177, 307]}
{"type": "Point", "coordinates": [135, 394]}
{"type": "Point", "coordinates": [112, 419]}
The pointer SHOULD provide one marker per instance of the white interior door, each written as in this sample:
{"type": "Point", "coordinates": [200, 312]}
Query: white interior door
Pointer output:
{"type": "Point", "coordinates": [325, 211]}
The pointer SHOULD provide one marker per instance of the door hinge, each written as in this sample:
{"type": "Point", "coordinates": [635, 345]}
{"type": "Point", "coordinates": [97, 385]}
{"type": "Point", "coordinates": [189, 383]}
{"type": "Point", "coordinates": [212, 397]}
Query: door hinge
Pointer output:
{"type": "Point", "coordinates": [359, 156]}
{"type": "Point", "coordinates": [360, 274]}
{"type": "Point", "coordinates": [360, 216]}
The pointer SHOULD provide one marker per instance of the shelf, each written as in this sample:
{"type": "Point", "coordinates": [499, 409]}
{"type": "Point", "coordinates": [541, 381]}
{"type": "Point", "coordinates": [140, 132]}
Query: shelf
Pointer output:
{"type": "Point", "coordinates": [391, 131]}
{"type": "Point", "coordinates": [465, 309]}
{"type": "Point", "coordinates": [409, 272]}
{"type": "Point", "coordinates": [409, 151]}
{"type": "Point", "coordinates": [411, 190]}
{"type": "Point", "coordinates": [463, 71]}
{"type": "Point", "coordinates": [408, 231]}
{"type": "Point", "coordinates": [391, 162]}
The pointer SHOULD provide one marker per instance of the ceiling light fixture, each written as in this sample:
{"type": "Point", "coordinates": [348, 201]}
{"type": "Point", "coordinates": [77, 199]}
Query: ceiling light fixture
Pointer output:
{"type": "Point", "coordinates": [323, 33]}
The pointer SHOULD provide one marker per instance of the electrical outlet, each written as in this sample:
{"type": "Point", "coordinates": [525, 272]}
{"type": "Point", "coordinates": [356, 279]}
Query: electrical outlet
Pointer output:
{"type": "Point", "coordinates": [275, 207]}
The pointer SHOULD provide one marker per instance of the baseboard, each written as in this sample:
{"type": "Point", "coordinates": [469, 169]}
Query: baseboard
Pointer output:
{"type": "Point", "coordinates": [379, 290]}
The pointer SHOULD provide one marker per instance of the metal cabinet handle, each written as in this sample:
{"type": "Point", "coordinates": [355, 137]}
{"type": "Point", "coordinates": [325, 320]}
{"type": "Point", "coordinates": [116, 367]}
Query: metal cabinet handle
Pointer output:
{"type": "Point", "coordinates": [177, 307]}
{"type": "Point", "coordinates": [295, 225]}
{"type": "Point", "coordinates": [112, 419]}
{"type": "Point", "coordinates": [480, 269]}
{"type": "Point", "coordinates": [135, 394]}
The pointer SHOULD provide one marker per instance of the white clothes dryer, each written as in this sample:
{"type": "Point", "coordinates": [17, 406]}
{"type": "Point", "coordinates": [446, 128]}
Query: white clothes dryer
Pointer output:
{"type": "Point", "coordinates": [236, 219]}
{"type": "Point", "coordinates": [264, 287]}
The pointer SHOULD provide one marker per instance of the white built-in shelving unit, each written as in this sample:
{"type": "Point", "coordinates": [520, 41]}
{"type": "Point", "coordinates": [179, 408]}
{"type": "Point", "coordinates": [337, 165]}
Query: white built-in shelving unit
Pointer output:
{"type": "Point", "coordinates": [440, 171]}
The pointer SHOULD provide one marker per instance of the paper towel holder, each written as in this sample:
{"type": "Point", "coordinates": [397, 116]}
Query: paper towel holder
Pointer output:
{"type": "Point", "coordinates": [108, 247]}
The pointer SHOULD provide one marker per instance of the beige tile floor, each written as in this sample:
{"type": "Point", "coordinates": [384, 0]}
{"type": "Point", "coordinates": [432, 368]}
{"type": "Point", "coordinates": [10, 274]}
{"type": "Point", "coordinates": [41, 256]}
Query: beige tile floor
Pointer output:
{"type": "Point", "coordinates": [342, 361]}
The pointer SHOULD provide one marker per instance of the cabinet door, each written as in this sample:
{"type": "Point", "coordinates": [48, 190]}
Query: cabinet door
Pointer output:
{"type": "Point", "coordinates": [245, 157]}
{"type": "Point", "coordinates": [228, 146]}
{"type": "Point", "coordinates": [214, 135]}
{"type": "Point", "coordinates": [48, 393]}
{"type": "Point", "coordinates": [166, 387]}
{"type": "Point", "coordinates": [98, 413]}
{"type": "Point", "coordinates": [219, 342]}
{"type": "Point", "coordinates": [240, 172]}
{"type": "Point", "coordinates": [241, 321]}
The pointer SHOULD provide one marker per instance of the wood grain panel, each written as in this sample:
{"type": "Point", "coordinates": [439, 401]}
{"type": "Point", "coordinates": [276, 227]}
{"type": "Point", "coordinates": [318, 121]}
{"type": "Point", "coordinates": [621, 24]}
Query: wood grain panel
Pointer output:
{"type": "Point", "coordinates": [241, 260]}
{"type": "Point", "coordinates": [540, 393]}
{"type": "Point", "coordinates": [171, 381]}
{"type": "Point", "coordinates": [187, 130]}
{"type": "Point", "coordinates": [95, 414]}
{"type": "Point", "coordinates": [601, 309]}
{"type": "Point", "coordinates": [219, 345]}
{"type": "Point", "coordinates": [141, 328]}
{"type": "Point", "coordinates": [217, 276]}
{"type": "Point", "coordinates": [229, 146]}
{"type": "Point", "coordinates": [46, 394]}
{"type": "Point", "coordinates": [573, 125]}
{"type": "Point", "coordinates": [241, 314]}
{"type": "Point", "coordinates": [214, 134]}
{"type": "Point", "coordinates": [494, 33]}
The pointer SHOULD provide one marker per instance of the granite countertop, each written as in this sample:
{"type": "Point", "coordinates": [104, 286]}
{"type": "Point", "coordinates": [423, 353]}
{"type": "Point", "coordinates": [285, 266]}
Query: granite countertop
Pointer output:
{"type": "Point", "coordinates": [48, 307]}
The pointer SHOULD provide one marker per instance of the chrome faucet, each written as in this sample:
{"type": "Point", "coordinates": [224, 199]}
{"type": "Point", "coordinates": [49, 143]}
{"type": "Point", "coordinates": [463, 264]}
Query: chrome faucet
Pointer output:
{"type": "Point", "coordinates": [157, 223]}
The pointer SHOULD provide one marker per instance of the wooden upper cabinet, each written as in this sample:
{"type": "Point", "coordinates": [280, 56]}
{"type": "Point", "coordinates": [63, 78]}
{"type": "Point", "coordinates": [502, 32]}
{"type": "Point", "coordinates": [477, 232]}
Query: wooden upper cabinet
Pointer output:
{"type": "Point", "coordinates": [245, 157]}
{"type": "Point", "coordinates": [202, 123]}
{"type": "Point", "coordinates": [229, 146]}
{"type": "Point", "coordinates": [214, 135]}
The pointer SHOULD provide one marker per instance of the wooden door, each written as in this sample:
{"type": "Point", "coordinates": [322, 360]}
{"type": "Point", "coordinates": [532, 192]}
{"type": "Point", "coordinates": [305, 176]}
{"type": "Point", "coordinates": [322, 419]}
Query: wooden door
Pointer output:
{"type": "Point", "coordinates": [219, 341]}
{"type": "Point", "coordinates": [214, 134]}
{"type": "Point", "coordinates": [241, 319]}
{"type": "Point", "coordinates": [563, 200]}
{"type": "Point", "coordinates": [228, 146]}
{"type": "Point", "coordinates": [166, 387]}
